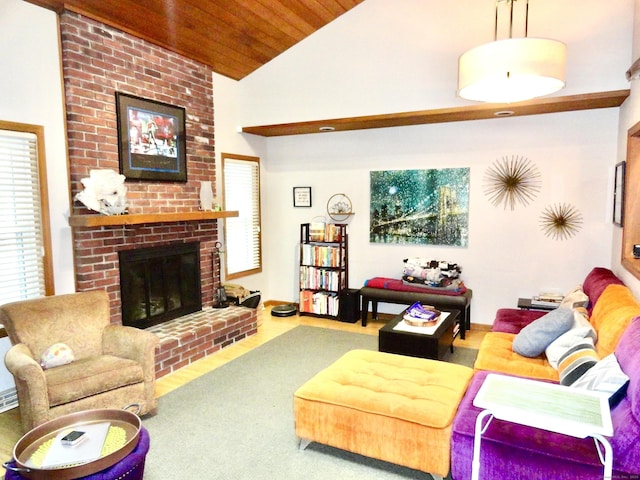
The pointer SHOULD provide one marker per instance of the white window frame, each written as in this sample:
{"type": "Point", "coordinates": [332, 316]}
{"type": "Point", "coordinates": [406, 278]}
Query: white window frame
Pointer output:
{"type": "Point", "coordinates": [25, 235]}
{"type": "Point", "coordinates": [243, 234]}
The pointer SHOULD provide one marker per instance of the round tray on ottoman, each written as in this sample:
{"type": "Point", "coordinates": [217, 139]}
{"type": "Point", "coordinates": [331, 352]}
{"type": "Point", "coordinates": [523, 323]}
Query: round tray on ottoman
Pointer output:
{"type": "Point", "coordinates": [119, 443]}
{"type": "Point", "coordinates": [130, 467]}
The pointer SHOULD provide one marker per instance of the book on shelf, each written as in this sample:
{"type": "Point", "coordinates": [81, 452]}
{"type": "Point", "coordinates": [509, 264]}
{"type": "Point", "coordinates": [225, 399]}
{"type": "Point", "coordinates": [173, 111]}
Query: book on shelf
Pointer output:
{"type": "Point", "coordinates": [325, 232]}
{"type": "Point", "coordinates": [316, 231]}
{"type": "Point", "coordinates": [315, 278]}
{"type": "Point", "coordinates": [306, 301]}
{"type": "Point", "coordinates": [320, 255]}
{"type": "Point", "coordinates": [321, 303]}
{"type": "Point", "coordinates": [325, 303]}
{"type": "Point", "coordinates": [333, 233]}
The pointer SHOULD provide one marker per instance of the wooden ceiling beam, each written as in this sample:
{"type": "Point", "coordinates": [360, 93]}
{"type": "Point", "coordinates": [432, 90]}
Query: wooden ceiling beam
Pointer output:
{"type": "Point", "coordinates": [538, 106]}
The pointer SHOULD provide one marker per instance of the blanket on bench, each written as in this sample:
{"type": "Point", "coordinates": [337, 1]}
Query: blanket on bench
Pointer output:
{"type": "Point", "coordinates": [403, 286]}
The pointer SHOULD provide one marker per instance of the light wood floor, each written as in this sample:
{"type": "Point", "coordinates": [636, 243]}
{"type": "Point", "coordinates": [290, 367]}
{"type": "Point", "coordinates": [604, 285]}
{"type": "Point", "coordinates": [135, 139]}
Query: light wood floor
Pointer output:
{"type": "Point", "coordinates": [269, 328]}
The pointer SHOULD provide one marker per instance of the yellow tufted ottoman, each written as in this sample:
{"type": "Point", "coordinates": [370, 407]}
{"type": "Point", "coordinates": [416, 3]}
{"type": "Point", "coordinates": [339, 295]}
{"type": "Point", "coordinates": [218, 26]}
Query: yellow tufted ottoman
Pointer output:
{"type": "Point", "coordinates": [385, 406]}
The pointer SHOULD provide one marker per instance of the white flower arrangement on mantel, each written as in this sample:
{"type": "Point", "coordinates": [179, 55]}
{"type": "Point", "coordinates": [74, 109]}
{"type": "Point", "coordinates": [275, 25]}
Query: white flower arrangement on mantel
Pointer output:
{"type": "Point", "coordinates": [104, 192]}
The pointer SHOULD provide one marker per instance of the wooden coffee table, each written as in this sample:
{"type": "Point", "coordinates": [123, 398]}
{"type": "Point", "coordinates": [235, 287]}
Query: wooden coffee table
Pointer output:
{"type": "Point", "coordinates": [426, 342]}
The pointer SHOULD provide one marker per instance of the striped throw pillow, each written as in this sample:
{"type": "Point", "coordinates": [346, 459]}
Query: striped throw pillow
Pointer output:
{"type": "Point", "coordinates": [561, 346]}
{"type": "Point", "coordinates": [575, 362]}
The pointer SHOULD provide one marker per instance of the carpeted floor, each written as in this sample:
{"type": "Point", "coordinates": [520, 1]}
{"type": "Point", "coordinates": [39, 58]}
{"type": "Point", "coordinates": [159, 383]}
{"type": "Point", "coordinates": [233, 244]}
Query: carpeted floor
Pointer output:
{"type": "Point", "coordinates": [236, 422]}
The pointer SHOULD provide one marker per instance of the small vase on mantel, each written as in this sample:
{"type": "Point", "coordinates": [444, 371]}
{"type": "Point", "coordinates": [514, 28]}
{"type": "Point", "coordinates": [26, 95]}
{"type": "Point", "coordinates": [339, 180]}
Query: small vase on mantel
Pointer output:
{"type": "Point", "coordinates": [206, 196]}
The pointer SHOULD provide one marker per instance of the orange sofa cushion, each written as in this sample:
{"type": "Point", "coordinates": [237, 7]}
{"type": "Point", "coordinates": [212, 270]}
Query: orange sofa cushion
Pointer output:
{"type": "Point", "coordinates": [611, 315]}
{"type": "Point", "coordinates": [496, 354]}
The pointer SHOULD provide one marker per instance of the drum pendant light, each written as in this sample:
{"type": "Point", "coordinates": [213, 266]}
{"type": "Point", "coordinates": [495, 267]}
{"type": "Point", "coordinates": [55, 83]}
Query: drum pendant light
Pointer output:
{"type": "Point", "coordinates": [513, 69]}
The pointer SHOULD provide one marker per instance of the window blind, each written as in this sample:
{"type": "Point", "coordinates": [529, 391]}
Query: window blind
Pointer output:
{"type": "Point", "coordinates": [21, 229]}
{"type": "Point", "coordinates": [243, 236]}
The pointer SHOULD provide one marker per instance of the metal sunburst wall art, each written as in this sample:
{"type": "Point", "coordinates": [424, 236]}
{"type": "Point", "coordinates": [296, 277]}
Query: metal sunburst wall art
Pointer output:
{"type": "Point", "coordinates": [512, 180]}
{"type": "Point", "coordinates": [561, 221]}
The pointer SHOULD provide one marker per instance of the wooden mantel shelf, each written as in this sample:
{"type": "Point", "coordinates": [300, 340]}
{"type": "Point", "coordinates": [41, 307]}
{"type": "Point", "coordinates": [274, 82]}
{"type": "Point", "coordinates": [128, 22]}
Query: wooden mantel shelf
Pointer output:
{"type": "Point", "coordinates": [140, 218]}
{"type": "Point", "coordinates": [569, 103]}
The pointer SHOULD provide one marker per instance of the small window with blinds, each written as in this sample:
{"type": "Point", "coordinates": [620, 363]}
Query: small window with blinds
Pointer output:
{"type": "Point", "coordinates": [24, 226]}
{"type": "Point", "coordinates": [241, 187]}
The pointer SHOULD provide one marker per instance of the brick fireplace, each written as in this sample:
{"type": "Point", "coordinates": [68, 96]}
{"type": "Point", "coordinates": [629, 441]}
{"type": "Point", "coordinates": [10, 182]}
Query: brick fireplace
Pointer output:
{"type": "Point", "coordinates": [97, 62]}
{"type": "Point", "coordinates": [159, 284]}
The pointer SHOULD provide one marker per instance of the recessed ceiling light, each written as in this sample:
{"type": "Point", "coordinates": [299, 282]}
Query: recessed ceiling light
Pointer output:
{"type": "Point", "coordinates": [504, 113]}
{"type": "Point", "coordinates": [327, 129]}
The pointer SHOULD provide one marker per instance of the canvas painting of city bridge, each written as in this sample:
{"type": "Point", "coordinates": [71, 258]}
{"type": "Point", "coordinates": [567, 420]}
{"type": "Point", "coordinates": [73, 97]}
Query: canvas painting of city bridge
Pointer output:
{"type": "Point", "coordinates": [427, 207]}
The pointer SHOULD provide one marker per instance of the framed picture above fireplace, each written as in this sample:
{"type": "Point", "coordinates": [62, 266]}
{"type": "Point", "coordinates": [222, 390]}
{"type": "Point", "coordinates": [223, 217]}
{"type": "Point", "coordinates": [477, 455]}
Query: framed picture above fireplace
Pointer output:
{"type": "Point", "coordinates": [151, 139]}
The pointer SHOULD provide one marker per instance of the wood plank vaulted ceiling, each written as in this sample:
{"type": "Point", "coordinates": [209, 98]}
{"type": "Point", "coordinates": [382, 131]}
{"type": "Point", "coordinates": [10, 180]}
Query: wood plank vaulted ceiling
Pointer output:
{"type": "Point", "coordinates": [233, 37]}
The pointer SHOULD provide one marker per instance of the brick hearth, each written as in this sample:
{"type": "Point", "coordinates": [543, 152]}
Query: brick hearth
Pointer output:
{"type": "Point", "coordinates": [187, 339]}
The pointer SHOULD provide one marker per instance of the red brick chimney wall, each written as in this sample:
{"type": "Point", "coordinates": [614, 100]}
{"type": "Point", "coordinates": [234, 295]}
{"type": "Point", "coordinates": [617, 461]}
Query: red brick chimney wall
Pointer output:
{"type": "Point", "coordinates": [98, 61]}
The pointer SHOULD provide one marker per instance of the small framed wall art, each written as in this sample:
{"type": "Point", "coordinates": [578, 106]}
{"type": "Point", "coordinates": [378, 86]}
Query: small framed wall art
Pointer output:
{"type": "Point", "coordinates": [151, 139]}
{"type": "Point", "coordinates": [301, 196]}
{"type": "Point", "coordinates": [618, 194]}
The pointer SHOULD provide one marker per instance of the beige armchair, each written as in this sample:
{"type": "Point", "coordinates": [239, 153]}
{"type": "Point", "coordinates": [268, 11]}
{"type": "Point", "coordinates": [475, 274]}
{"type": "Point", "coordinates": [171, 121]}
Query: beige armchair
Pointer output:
{"type": "Point", "coordinates": [113, 365]}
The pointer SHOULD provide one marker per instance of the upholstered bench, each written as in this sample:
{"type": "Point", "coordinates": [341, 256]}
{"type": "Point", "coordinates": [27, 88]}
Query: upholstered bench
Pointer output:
{"type": "Point", "coordinates": [461, 302]}
{"type": "Point", "coordinates": [390, 407]}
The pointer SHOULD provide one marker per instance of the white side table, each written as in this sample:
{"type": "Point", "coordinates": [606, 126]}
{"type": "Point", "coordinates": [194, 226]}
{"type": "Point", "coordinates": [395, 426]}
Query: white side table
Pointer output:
{"type": "Point", "coordinates": [552, 407]}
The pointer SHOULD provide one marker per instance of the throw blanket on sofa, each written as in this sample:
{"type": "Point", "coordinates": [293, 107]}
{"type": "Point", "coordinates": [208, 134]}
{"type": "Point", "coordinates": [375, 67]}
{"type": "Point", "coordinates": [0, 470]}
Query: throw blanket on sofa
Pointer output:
{"type": "Point", "coordinates": [398, 284]}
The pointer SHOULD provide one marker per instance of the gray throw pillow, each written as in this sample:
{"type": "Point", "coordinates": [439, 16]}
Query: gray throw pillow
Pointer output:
{"type": "Point", "coordinates": [538, 335]}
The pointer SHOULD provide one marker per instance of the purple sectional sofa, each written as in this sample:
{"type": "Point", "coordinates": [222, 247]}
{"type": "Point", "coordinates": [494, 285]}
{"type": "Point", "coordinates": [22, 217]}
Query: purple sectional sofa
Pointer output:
{"type": "Point", "coordinates": [512, 451]}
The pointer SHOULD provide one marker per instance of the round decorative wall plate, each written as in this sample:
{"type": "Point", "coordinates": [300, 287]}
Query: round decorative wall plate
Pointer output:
{"type": "Point", "coordinates": [339, 207]}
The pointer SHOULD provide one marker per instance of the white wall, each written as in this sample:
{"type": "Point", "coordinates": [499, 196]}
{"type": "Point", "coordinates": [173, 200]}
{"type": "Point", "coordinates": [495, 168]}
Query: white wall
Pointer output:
{"type": "Point", "coordinates": [228, 140]}
{"type": "Point", "coordinates": [31, 86]}
{"type": "Point", "coordinates": [33, 93]}
{"type": "Point", "coordinates": [379, 58]}
{"type": "Point", "coordinates": [508, 255]}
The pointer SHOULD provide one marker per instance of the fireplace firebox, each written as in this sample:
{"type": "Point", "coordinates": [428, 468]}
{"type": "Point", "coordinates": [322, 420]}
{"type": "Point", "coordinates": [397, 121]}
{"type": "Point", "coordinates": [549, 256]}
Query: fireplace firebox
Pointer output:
{"type": "Point", "coordinates": [158, 284]}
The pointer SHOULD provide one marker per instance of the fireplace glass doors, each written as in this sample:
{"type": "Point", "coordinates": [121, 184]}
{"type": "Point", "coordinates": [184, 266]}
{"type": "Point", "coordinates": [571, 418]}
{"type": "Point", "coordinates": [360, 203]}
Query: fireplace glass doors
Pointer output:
{"type": "Point", "coordinates": [158, 284]}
